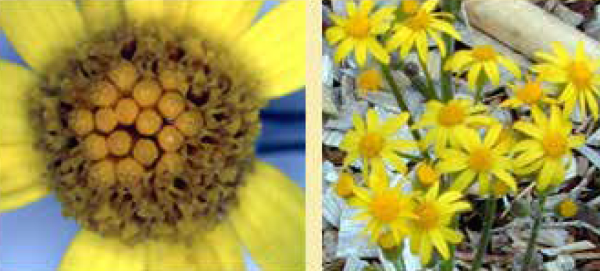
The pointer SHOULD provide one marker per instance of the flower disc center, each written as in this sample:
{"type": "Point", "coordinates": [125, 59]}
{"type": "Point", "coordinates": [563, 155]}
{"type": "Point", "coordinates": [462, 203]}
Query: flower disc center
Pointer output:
{"type": "Point", "coordinates": [371, 145]}
{"type": "Point", "coordinates": [420, 21]}
{"type": "Point", "coordinates": [481, 159]}
{"type": "Point", "coordinates": [484, 53]}
{"type": "Point", "coordinates": [370, 80]}
{"type": "Point", "coordinates": [428, 216]}
{"type": "Point", "coordinates": [385, 206]}
{"type": "Point", "coordinates": [451, 114]}
{"type": "Point", "coordinates": [359, 26]}
{"type": "Point", "coordinates": [530, 93]}
{"type": "Point", "coordinates": [580, 74]}
{"type": "Point", "coordinates": [555, 145]}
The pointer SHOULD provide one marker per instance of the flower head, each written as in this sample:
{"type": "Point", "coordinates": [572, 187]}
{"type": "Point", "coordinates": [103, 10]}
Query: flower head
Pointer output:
{"type": "Point", "coordinates": [567, 208]}
{"type": "Point", "coordinates": [385, 208]}
{"type": "Point", "coordinates": [431, 227]}
{"type": "Point", "coordinates": [376, 142]}
{"type": "Point", "coordinates": [447, 121]}
{"type": "Point", "coordinates": [549, 145]}
{"type": "Point", "coordinates": [414, 30]}
{"type": "Point", "coordinates": [479, 160]}
{"type": "Point", "coordinates": [345, 185]}
{"type": "Point", "coordinates": [359, 32]}
{"type": "Point", "coordinates": [578, 76]}
{"type": "Point", "coordinates": [369, 80]}
{"type": "Point", "coordinates": [531, 93]}
{"type": "Point", "coordinates": [427, 174]}
{"type": "Point", "coordinates": [481, 58]}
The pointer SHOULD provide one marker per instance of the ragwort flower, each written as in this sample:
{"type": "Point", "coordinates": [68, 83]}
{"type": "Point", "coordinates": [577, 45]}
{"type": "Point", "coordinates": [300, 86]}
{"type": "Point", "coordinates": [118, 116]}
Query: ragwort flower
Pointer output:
{"type": "Point", "coordinates": [141, 117]}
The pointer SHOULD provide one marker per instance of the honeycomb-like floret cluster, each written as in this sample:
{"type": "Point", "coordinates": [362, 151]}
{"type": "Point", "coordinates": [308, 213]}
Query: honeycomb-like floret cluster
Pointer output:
{"type": "Point", "coordinates": [155, 131]}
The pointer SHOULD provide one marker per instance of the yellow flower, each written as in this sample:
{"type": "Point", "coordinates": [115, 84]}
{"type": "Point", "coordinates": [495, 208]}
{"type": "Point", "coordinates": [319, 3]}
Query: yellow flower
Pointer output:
{"type": "Point", "coordinates": [385, 208]}
{"type": "Point", "coordinates": [446, 121]}
{"type": "Point", "coordinates": [345, 185]}
{"type": "Point", "coordinates": [426, 174]}
{"type": "Point", "coordinates": [578, 77]}
{"type": "Point", "coordinates": [414, 30]}
{"type": "Point", "coordinates": [567, 208]}
{"type": "Point", "coordinates": [500, 189]}
{"type": "Point", "coordinates": [376, 142]}
{"type": "Point", "coordinates": [434, 213]}
{"type": "Point", "coordinates": [139, 202]}
{"type": "Point", "coordinates": [531, 93]}
{"type": "Point", "coordinates": [369, 81]}
{"type": "Point", "coordinates": [550, 144]}
{"type": "Point", "coordinates": [409, 7]}
{"type": "Point", "coordinates": [359, 32]}
{"type": "Point", "coordinates": [481, 58]}
{"type": "Point", "coordinates": [478, 160]}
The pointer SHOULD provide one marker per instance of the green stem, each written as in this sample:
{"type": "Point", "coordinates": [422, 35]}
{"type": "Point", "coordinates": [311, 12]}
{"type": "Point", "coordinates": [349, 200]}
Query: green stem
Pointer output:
{"type": "Point", "coordinates": [399, 263]}
{"type": "Point", "coordinates": [490, 213]}
{"type": "Point", "coordinates": [430, 93]}
{"type": "Point", "coordinates": [452, 6]}
{"type": "Point", "coordinates": [478, 93]}
{"type": "Point", "coordinates": [534, 232]}
{"type": "Point", "coordinates": [396, 90]}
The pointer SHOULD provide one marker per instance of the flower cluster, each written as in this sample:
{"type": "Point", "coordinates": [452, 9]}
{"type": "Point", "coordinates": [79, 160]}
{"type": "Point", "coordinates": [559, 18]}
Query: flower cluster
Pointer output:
{"type": "Point", "coordinates": [460, 145]}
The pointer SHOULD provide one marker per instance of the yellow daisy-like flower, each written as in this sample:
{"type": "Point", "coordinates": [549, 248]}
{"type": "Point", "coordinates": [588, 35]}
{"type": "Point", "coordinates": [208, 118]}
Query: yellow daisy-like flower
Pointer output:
{"type": "Point", "coordinates": [550, 144]}
{"type": "Point", "coordinates": [446, 121]}
{"type": "Point", "coordinates": [427, 174]}
{"type": "Point", "coordinates": [478, 160]}
{"type": "Point", "coordinates": [481, 58]}
{"type": "Point", "coordinates": [567, 208]}
{"type": "Point", "coordinates": [369, 80]}
{"type": "Point", "coordinates": [385, 208]}
{"type": "Point", "coordinates": [118, 94]}
{"type": "Point", "coordinates": [415, 30]}
{"type": "Point", "coordinates": [359, 32]}
{"type": "Point", "coordinates": [377, 142]}
{"type": "Point", "coordinates": [531, 93]}
{"type": "Point", "coordinates": [434, 213]}
{"type": "Point", "coordinates": [579, 77]}
{"type": "Point", "coordinates": [409, 7]}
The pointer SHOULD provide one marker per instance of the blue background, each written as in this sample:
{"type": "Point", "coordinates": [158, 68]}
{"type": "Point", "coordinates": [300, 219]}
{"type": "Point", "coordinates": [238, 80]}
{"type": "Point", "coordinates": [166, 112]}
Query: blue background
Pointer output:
{"type": "Point", "coordinates": [36, 236]}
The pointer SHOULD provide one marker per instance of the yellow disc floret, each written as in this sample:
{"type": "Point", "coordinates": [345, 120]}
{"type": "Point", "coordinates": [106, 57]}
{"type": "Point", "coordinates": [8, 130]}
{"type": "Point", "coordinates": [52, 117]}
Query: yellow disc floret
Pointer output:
{"type": "Point", "coordinates": [127, 111]}
{"type": "Point", "coordinates": [567, 208]}
{"type": "Point", "coordinates": [531, 92]}
{"type": "Point", "coordinates": [409, 6]}
{"type": "Point", "coordinates": [103, 94]}
{"type": "Point", "coordinates": [81, 121]}
{"type": "Point", "coordinates": [345, 185]}
{"type": "Point", "coordinates": [170, 79]}
{"type": "Point", "coordinates": [103, 173]}
{"type": "Point", "coordinates": [119, 143]}
{"type": "Point", "coordinates": [451, 114]}
{"type": "Point", "coordinates": [170, 139]}
{"type": "Point", "coordinates": [426, 174]}
{"type": "Point", "coordinates": [145, 152]}
{"type": "Point", "coordinates": [95, 147]}
{"type": "Point", "coordinates": [428, 215]}
{"type": "Point", "coordinates": [106, 120]}
{"type": "Point", "coordinates": [148, 122]}
{"type": "Point", "coordinates": [369, 81]}
{"type": "Point", "coordinates": [124, 76]}
{"type": "Point", "coordinates": [147, 92]}
{"type": "Point", "coordinates": [171, 105]}
{"type": "Point", "coordinates": [484, 53]}
{"type": "Point", "coordinates": [555, 145]}
{"type": "Point", "coordinates": [385, 206]}
{"type": "Point", "coordinates": [581, 74]}
{"type": "Point", "coordinates": [129, 172]}
{"type": "Point", "coordinates": [481, 159]}
{"type": "Point", "coordinates": [358, 26]}
{"type": "Point", "coordinates": [170, 163]}
{"type": "Point", "coordinates": [371, 145]}
{"type": "Point", "coordinates": [188, 123]}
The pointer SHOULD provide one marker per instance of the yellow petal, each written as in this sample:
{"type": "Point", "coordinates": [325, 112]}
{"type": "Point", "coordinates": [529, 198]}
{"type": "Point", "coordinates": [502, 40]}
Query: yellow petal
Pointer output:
{"type": "Point", "coordinates": [167, 255]}
{"type": "Point", "coordinates": [270, 219]}
{"type": "Point", "coordinates": [223, 20]}
{"type": "Point", "coordinates": [101, 15]}
{"type": "Point", "coordinates": [21, 198]}
{"type": "Point", "coordinates": [17, 84]}
{"type": "Point", "coordinates": [142, 11]}
{"type": "Point", "coordinates": [276, 49]}
{"type": "Point", "coordinates": [92, 252]}
{"type": "Point", "coordinates": [226, 246]}
{"type": "Point", "coordinates": [21, 167]}
{"type": "Point", "coordinates": [175, 13]}
{"type": "Point", "coordinates": [42, 31]}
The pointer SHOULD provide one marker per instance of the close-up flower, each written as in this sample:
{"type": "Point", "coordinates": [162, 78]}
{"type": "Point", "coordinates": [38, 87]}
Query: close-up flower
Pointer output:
{"type": "Point", "coordinates": [431, 228]}
{"type": "Point", "coordinates": [548, 147]}
{"type": "Point", "coordinates": [377, 143]}
{"type": "Point", "coordinates": [142, 117]}
{"type": "Point", "coordinates": [481, 60]}
{"type": "Point", "coordinates": [385, 208]}
{"type": "Point", "coordinates": [486, 161]}
{"type": "Point", "coordinates": [415, 30]}
{"type": "Point", "coordinates": [531, 93]}
{"type": "Point", "coordinates": [369, 80]}
{"type": "Point", "coordinates": [359, 30]}
{"type": "Point", "coordinates": [578, 77]}
{"type": "Point", "coordinates": [446, 122]}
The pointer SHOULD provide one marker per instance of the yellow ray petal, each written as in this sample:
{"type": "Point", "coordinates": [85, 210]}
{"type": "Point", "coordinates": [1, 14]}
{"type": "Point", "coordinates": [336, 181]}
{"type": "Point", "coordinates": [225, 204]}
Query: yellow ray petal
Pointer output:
{"type": "Point", "coordinates": [17, 84]}
{"type": "Point", "coordinates": [23, 197]}
{"type": "Point", "coordinates": [166, 255]}
{"type": "Point", "coordinates": [92, 252]}
{"type": "Point", "coordinates": [101, 15]}
{"type": "Point", "coordinates": [142, 11]}
{"type": "Point", "coordinates": [21, 167]}
{"type": "Point", "coordinates": [276, 49]}
{"type": "Point", "coordinates": [42, 31]}
{"type": "Point", "coordinates": [227, 249]}
{"type": "Point", "coordinates": [270, 219]}
{"type": "Point", "coordinates": [222, 20]}
{"type": "Point", "coordinates": [175, 12]}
